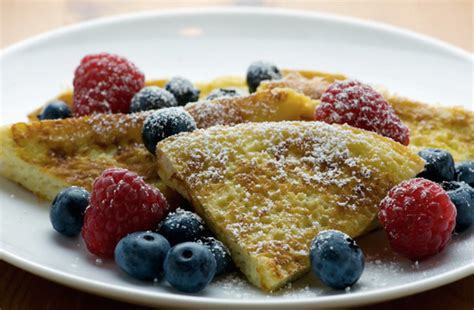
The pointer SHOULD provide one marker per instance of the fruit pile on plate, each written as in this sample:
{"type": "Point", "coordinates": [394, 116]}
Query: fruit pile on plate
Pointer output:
{"type": "Point", "coordinates": [131, 221]}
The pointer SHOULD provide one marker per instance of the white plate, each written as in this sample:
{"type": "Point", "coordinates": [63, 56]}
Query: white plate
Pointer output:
{"type": "Point", "coordinates": [201, 45]}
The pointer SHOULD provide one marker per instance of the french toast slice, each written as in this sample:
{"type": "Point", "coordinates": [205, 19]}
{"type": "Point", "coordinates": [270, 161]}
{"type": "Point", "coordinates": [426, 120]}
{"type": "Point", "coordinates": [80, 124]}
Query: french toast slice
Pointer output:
{"type": "Point", "coordinates": [266, 189]}
{"type": "Point", "coordinates": [49, 155]}
{"type": "Point", "coordinates": [431, 126]}
{"type": "Point", "coordinates": [268, 105]}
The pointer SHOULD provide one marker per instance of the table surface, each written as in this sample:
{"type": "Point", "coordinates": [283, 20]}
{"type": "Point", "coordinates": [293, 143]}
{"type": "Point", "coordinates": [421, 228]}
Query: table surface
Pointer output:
{"type": "Point", "coordinates": [450, 21]}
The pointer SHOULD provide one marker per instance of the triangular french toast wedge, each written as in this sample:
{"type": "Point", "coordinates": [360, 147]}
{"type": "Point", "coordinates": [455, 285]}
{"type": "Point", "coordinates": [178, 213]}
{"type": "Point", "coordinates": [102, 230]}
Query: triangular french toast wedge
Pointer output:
{"type": "Point", "coordinates": [279, 104]}
{"type": "Point", "coordinates": [49, 155]}
{"type": "Point", "coordinates": [266, 189]}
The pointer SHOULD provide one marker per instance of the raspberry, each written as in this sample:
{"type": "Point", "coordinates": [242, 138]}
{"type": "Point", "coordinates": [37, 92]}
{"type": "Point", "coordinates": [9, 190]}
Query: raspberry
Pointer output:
{"type": "Point", "coordinates": [105, 83]}
{"type": "Point", "coordinates": [121, 203]}
{"type": "Point", "coordinates": [358, 105]}
{"type": "Point", "coordinates": [418, 218]}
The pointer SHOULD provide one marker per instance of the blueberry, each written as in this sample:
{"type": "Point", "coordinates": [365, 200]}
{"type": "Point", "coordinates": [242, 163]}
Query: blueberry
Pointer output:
{"type": "Point", "coordinates": [462, 196]}
{"type": "Point", "coordinates": [67, 210]}
{"type": "Point", "coordinates": [55, 110]}
{"type": "Point", "coordinates": [465, 172]}
{"type": "Point", "coordinates": [183, 90]}
{"type": "Point", "coordinates": [181, 226]}
{"type": "Point", "coordinates": [220, 253]}
{"type": "Point", "coordinates": [189, 267]}
{"type": "Point", "coordinates": [141, 254]}
{"type": "Point", "coordinates": [164, 123]}
{"type": "Point", "coordinates": [152, 98]}
{"type": "Point", "coordinates": [439, 165]}
{"type": "Point", "coordinates": [224, 93]}
{"type": "Point", "coordinates": [336, 259]}
{"type": "Point", "coordinates": [260, 71]}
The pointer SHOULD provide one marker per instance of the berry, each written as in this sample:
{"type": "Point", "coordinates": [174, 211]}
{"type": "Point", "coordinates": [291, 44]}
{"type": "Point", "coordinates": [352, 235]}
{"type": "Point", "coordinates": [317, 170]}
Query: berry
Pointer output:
{"type": "Point", "coordinates": [219, 251]}
{"type": "Point", "coordinates": [56, 109]}
{"type": "Point", "coordinates": [181, 226]}
{"type": "Point", "coordinates": [439, 165]}
{"type": "Point", "coordinates": [336, 259]}
{"type": "Point", "coordinates": [183, 90]}
{"type": "Point", "coordinates": [189, 267]}
{"type": "Point", "coordinates": [465, 172]}
{"type": "Point", "coordinates": [260, 71]}
{"type": "Point", "coordinates": [418, 218]}
{"type": "Point", "coordinates": [141, 254]}
{"type": "Point", "coordinates": [152, 98]}
{"type": "Point", "coordinates": [67, 210]}
{"type": "Point", "coordinates": [121, 203]}
{"type": "Point", "coordinates": [224, 93]}
{"type": "Point", "coordinates": [462, 196]}
{"type": "Point", "coordinates": [105, 83]}
{"type": "Point", "coordinates": [164, 123]}
{"type": "Point", "coordinates": [358, 105]}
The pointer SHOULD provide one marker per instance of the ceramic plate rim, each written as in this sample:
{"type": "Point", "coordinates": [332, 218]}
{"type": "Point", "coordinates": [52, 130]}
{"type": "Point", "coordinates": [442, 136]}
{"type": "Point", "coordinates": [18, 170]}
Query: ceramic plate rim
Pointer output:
{"type": "Point", "coordinates": [116, 292]}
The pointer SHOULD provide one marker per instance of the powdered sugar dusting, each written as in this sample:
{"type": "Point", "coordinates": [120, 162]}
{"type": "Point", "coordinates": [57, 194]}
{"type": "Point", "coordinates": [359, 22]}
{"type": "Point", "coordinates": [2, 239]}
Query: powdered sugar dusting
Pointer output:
{"type": "Point", "coordinates": [103, 124]}
{"type": "Point", "coordinates": [292, 153]}
{"type": "Point", "coordinates": [267, 105]}
{"type": "Point", "coordinates": [312, 88]}
{"type": "Point", "coordinates": [383, 269]}
{"type": "Point", "coordinates": [210, 113]}
{"type": "Point", "coordinates": [233, 285]}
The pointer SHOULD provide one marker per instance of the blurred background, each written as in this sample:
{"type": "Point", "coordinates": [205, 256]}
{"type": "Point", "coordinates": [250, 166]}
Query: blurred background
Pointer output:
{"type": "Point", "coordinates": [448, 20]}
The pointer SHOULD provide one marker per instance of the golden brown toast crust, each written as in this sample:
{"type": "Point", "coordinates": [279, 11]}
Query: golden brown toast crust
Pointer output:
{"type": "Point", "coordinates": [448, 128]}
{"type": "Point", "coordinates": [75, 151]}
{"type": "Point", "coordinates": [266, 189]}
{"type": "Point", "coordinates": [312, 87]}
{"type": "Point", "coordinates": [59, 145]}
{"type": "Point", "coordinates": [278, 104]}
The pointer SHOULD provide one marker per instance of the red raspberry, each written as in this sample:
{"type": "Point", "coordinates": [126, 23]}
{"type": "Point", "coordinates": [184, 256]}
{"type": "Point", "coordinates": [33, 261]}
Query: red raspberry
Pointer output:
{"type": "Point", "coordinates": [105, 83]}
{"type": "Point", "coordinates": [359, 105]}
{"type": "Point", "coordinates": [418, 218]}
{"type": "Point", "coordinates": [121, 203]}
